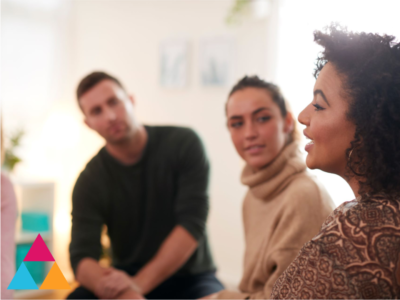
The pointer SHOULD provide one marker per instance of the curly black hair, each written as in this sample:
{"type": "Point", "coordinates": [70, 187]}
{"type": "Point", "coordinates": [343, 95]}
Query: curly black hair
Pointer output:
{"type": "Point", "coordinates": [369, 66]}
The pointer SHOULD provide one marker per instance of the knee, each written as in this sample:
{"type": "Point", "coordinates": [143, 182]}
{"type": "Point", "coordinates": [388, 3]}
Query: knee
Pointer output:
{"type": "Point", "coordinates": [81, 294]}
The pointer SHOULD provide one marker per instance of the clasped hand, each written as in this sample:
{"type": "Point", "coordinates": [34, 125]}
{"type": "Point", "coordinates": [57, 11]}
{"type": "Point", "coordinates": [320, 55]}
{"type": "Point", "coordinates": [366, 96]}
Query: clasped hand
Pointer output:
{"type": "Point", "coordinates": [116, 284]}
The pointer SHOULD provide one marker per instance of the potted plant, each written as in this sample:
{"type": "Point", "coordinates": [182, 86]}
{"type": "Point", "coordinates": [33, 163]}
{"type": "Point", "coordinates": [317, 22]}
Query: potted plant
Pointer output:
{"type": "Point", "coordinates": [11, 159]}
{"type": "Point", "coordinates": [241, 9]}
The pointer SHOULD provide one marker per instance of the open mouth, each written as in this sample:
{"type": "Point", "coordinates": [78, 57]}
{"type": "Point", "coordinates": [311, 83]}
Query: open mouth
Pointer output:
{"type": "Point", "coordinates": [310, 143]}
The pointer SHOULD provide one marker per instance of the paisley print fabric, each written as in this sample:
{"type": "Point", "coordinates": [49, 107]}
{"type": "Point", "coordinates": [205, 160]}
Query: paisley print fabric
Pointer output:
{"type": "Point", "coordinates": [355, 255]}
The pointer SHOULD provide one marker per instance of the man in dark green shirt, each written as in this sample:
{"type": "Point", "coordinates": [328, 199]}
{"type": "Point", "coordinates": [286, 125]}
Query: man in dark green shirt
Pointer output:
{"type": "Point", "coordinates": [149, 186]}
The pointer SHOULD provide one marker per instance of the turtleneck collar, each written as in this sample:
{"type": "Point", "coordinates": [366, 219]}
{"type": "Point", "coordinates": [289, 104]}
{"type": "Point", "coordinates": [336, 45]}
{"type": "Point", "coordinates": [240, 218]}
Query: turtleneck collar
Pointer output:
{"type": "Point", "coordinates": [269, 181]}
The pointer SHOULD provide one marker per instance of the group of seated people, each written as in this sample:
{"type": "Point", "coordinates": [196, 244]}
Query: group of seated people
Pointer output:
{"type": "Point", "coordinates": [148, 185]}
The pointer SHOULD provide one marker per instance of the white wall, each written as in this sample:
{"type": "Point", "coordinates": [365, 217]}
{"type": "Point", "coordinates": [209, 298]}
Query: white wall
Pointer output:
{"type": "Point", "coordinates": [123, 38]}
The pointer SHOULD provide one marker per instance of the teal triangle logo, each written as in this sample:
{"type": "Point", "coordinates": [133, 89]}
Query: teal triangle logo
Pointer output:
{"type": "Point", "coordinates": [22, 280]}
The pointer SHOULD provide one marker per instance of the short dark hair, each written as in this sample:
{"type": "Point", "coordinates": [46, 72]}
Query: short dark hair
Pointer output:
{"type": "Point", "coordinates": [256, 82]}
{"type": "Point", "coordinates": [369, 66]}
{"type": "Point", "coordinates": [89, 81]}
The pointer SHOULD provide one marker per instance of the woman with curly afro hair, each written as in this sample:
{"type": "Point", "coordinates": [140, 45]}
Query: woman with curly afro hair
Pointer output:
{"type": "Point", "coordinates": [353, 123]}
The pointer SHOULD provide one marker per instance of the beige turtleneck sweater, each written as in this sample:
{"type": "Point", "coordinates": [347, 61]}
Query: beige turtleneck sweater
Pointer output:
{"type": "Point", "coordinates": [283, 209]}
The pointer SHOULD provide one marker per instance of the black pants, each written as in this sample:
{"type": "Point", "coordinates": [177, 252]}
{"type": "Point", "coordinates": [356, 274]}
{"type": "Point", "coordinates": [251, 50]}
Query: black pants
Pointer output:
{"type": "Point", "coordinates": [175, 287]}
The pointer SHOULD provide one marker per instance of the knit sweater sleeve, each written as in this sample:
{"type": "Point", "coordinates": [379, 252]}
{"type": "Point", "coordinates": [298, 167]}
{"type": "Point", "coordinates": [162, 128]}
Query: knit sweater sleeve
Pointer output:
{"type": "Point", "coordinates": [280, 259]}
{"type": "Point", "coordinates": [299, 221]}
{"type": "Point", "coordinates": [191, 204]}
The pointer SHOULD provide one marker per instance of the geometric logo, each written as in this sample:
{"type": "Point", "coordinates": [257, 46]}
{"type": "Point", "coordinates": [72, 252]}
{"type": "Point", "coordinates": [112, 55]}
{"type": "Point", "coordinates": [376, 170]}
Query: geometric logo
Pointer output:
{"type": "Point", "coordinates": [23, 280]}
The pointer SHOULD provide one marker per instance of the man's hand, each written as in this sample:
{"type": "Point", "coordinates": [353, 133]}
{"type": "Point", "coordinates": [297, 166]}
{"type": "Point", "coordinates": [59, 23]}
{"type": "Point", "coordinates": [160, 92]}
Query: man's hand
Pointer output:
{"type": "Point", "coordinates": [115, 283]}
{"type": "Point", "coordinates": [211, 296]}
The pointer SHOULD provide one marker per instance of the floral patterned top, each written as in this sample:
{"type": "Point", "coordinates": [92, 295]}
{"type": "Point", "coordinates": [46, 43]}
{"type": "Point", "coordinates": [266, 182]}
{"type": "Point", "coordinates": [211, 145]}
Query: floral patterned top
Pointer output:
{"type": "Point", "coordinates": [356, 254]}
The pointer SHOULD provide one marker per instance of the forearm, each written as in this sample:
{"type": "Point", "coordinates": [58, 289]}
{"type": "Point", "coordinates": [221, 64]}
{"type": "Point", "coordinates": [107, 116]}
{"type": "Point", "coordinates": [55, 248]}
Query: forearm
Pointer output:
{"type": "Point", "coordinates": [8, 220]}
{"type": "Point", "coordinates": [173, 253]}
{"type": "Point", "coordinates": [89, 272]}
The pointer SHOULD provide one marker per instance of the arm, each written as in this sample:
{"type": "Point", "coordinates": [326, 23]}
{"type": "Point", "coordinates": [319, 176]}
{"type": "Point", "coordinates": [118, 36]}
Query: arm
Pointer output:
{"type": "Point", "coordinates": [174, 252]}
{"type": "Point", "coordinates": [191, 210]}
{"type": "Point", "coordinates": [89, 273]}
{"type": "Point", "coordinates": [8, 220]}
{"type": "Point", "coordinates": [87, 222]}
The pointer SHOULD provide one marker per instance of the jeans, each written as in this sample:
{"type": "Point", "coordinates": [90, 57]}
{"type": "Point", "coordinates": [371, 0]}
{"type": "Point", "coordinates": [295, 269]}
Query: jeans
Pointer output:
{"type": "Point", "coordinates": [175, 287]}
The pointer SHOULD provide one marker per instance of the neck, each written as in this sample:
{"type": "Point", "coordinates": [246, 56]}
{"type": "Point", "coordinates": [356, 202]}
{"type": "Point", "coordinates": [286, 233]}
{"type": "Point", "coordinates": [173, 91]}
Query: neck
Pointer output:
{"type": "Point", "coordinates": [354, 185]}
{"type": "Point", "coordinates": [129, 151]}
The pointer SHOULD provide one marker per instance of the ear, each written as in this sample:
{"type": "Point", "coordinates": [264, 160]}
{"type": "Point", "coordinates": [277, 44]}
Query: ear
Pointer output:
{"type": "Point", "coordinates": [289, 123]}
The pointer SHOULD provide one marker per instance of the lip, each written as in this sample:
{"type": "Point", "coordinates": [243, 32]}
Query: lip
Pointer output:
{"type": "Point", "coordinates": [115, 128]}
{"type": "Point", "coordinates": [309, 145]}
{"type": "Point", "coordinates": [306, 135]}
{"type": "Point", "coordinates": [254, 149]}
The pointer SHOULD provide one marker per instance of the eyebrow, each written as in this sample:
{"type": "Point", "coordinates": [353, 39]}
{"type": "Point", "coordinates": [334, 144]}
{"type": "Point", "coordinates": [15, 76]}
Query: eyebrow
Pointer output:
{"type": "Point", "coordinates": [253, 113]}
{"type": "Point", "coordinates": [320, 92]}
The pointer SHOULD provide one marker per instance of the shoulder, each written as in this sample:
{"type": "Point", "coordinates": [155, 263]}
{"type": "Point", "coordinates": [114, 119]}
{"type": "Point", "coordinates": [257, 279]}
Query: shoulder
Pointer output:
{"type": "Point", "coordinates": [305, 190]}
{"type": "Point", "coordinates": [372, 213]}
{"type": "Point", "coordinates": [175, 142]}
{"type": "Point", "coordinates": [7, 192]}
{"type": "Point", "coordinates": [6, 184]}
{"type": "Point", "coordinates": [94, 169]}
{"type": "Point", "coordinates": [172, 133]}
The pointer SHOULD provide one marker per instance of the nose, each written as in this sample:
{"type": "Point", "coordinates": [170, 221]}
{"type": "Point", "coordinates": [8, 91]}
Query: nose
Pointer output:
{"type": "Point", "coordinates": [110, 114]}
{"type": "Point", "coordinates": [304, 116]}
{"type": "Point", "coordinates": [250, 131]}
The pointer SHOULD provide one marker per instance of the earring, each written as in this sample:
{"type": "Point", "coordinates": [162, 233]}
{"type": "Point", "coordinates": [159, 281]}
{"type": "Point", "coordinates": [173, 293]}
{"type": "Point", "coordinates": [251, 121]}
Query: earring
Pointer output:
{"type": "Point", "coordinates": [351, 152]}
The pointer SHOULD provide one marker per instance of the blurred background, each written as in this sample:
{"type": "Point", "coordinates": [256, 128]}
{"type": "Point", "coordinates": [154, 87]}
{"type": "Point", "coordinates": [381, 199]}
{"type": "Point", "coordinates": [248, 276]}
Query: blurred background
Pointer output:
{"type": "Point", "coordinates": [179, 59]}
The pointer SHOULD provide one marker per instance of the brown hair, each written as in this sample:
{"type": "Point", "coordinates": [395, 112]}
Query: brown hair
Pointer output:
{"type": "Point", "coordinates": [273, 90]}
{"type": "Point", "coordinates": [89, 81]}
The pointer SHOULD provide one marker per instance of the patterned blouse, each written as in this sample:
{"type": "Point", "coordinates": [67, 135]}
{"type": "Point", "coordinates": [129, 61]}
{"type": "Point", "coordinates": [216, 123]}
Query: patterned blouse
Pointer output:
{"type": "Point", "coordinates": [355, 255]}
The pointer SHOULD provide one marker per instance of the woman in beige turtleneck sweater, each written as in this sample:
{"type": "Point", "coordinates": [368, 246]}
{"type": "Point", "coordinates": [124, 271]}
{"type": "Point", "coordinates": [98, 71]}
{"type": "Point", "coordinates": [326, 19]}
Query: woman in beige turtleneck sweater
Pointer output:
{"type": "Point", "coordinates": [284, 206]}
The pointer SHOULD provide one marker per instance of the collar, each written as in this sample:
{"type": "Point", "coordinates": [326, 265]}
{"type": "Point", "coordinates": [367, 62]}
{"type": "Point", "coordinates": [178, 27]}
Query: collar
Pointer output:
{"type": "Point", "coordinates": [271, 179]}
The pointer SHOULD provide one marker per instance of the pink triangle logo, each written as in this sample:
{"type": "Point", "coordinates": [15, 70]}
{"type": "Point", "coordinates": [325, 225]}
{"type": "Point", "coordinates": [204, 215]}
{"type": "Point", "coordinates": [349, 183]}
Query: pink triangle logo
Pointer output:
{"type": "Point", "coordinates": [39, 251]}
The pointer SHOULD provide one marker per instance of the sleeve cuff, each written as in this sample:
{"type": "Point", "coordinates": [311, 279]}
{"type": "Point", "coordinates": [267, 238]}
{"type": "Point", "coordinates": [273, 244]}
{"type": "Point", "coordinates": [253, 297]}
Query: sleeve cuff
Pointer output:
{"type": "Point", "coordinates": [194, 230]}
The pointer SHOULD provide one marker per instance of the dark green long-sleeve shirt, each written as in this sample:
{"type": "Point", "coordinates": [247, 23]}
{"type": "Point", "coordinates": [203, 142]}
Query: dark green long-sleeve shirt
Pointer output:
{"type": "Point", "coordinates": [142, 203]}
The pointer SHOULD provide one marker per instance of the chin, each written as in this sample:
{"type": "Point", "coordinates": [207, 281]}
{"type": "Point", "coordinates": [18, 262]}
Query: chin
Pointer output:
{"type": "Point", "coordinates": [257, 164]}
{"type": "Point", "coordinates": [310, 163]}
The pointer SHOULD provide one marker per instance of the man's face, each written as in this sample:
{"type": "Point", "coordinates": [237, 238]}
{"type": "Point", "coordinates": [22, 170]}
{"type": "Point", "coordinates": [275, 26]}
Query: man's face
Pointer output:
{"type": "Point", "coordinates": [109, 111]}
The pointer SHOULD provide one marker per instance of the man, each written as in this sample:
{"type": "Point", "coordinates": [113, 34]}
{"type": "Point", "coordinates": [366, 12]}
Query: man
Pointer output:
{"type": "Point", "coordinates": [149, 186]}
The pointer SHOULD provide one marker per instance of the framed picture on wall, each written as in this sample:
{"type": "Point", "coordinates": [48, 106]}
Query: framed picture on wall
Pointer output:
{"type": "Point", "coordinates": [216, 61]}
{"type": "Point", "coordinates": [174, 63]}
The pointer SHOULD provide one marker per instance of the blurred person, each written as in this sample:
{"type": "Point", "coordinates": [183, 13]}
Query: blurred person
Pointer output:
{"type": "Point", "coordinates": [285, 206]}
{"type": "Point", "coordinates": [149, 186]}
{"type": "Point", "coordinates": [353, 123]}
{"type": "Point", "coordinates": [8, 219]}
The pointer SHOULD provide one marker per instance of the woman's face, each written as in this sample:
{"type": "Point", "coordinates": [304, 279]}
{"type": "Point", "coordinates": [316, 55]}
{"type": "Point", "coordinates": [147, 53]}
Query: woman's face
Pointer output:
{"type": "Point", "coordinates": [257, 128]}
{"type": "Point", "coordinates": [326, 123]}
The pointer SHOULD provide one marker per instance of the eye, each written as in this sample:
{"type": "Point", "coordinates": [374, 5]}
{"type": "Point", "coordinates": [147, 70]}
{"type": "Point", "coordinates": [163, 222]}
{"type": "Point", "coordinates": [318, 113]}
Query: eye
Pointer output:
{"type": "Point", "coordinates": [113, 101]}
{"type": "Point", "coordinates": [96, 111]}
{"type": "Point", "coordinates": [318, 107]}
{"type": "Point", "coordinates": [263, 119]}
{"type": "Point", "coordinates": [236, 124]}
